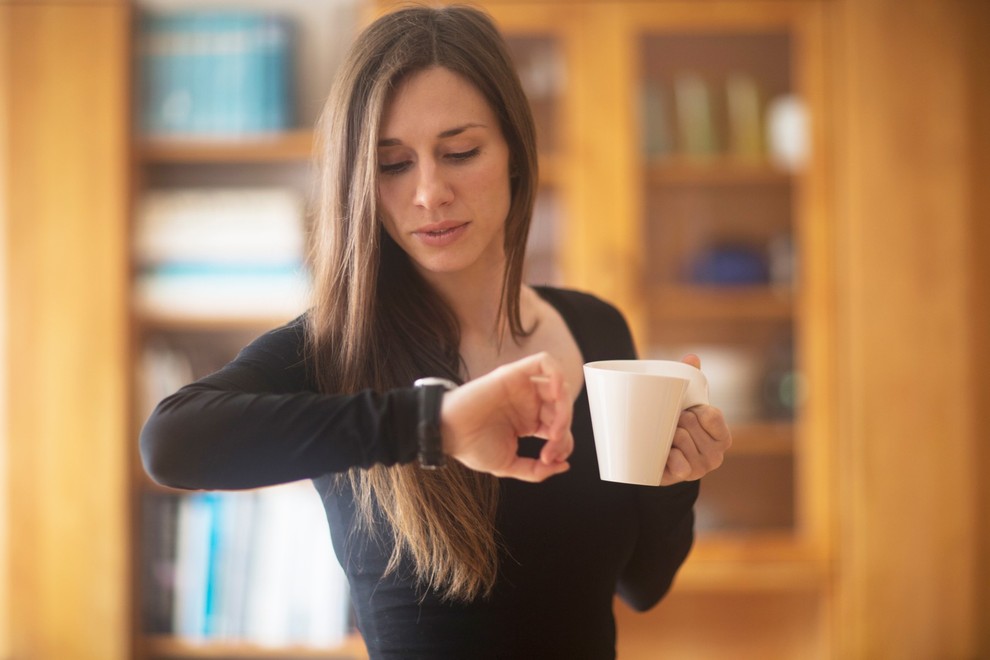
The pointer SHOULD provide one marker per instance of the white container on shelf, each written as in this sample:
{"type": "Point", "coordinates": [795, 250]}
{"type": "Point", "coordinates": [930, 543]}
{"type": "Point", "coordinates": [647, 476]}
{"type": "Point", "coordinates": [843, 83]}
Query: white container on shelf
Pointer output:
{"type": "Point", "coordinates": [735, 377]}
{"type": "Point", "coordinates": [787, 132]}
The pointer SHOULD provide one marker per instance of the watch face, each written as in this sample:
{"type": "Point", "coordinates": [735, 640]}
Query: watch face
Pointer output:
{"type": "Point", "coordinates": [435, 381]}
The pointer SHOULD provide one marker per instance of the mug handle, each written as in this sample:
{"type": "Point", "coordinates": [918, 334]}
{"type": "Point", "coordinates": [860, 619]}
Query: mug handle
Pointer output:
{"type": "Point", "coordinates": [696, 393]}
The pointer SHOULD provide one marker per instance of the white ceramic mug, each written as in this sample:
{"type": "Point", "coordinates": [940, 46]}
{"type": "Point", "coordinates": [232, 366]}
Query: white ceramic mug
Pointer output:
{"type": "Point", "coordinates": [635, 405]}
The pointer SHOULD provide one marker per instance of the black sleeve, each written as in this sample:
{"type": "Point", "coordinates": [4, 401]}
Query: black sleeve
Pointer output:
{"type": "Point", "coordinates": [666, 534]}
{"type": "Point", "coordinates": [258, 421]}
{"type": "Point", "coordinates": [666, 513]}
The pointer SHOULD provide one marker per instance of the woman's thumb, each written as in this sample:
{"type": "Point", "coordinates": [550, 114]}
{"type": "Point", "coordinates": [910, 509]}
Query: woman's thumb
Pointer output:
{"type": "Point", "coordinates": [692, 359]}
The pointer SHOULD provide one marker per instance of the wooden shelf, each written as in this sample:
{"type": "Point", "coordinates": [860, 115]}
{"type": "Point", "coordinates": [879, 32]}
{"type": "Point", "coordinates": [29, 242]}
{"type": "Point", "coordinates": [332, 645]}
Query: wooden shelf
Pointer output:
{"type": "Point", "coordinates": [770, 575]}
{"type": "Point", "coordinates": [290, 146]}
{"type": "Point", "coordinates": [711, 303]}
{"type": "Point", "coordinates": [762, 437]}
{"type": "Point", "coordinates": [191, 323]}
{"type": "Point", "coordinates": [168, 646]}
{"type": "Point", "coordinates": [716, 170]}
{"type": "Point", "coordinates": [776, 561]}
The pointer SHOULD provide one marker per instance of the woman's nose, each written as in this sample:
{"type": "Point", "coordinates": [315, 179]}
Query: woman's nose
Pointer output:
{"type": "Point", "coordinates": [432, 189]}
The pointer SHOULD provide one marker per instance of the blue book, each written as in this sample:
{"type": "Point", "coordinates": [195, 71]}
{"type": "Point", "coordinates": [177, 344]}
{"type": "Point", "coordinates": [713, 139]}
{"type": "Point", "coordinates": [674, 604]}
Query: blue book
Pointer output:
{"type": "Point", "coordinates": [195, 527]}
{"type": "Point", "coordinates": [221, 73]}
{"type": "Point", "coordinates": [145, 61]}
{"type": "Point", "coordinates": [277, 106]}
{"type": "Point", "coordinates": [178, 102]}
{"type": "Point", "coordinates": [214, 502]}
{"type": "Point", "coordinates": [199, 58]}
{"type": "Point", "coordinates": [241, 27]}
{"type": "Point", "coordinates": [157, 53]}
{"type": "Point", "coordinates": [253, 91]}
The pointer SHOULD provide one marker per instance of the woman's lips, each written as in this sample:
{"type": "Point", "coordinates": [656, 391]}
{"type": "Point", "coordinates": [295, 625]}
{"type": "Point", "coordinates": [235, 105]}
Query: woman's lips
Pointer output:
{"type": "Point", "coordinates": [441, 233]}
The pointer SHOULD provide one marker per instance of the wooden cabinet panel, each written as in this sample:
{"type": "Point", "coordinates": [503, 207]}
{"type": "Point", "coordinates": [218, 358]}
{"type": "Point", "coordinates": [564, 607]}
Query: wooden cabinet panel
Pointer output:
{"type": "Point", "coordinates": [905, 223]}
{"type": "Point", "coordinates": [67, 190]}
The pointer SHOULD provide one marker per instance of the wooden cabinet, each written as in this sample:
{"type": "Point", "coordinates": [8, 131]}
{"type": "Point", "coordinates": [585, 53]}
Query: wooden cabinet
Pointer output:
{"type": "Point", "coordinates": [192, 311]}
{"type": "Point", "coordinates": [64, 444]}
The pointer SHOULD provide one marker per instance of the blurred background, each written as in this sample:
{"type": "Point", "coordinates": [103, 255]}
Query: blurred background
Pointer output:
{"type": "Point", "coordinates": [793, 189]}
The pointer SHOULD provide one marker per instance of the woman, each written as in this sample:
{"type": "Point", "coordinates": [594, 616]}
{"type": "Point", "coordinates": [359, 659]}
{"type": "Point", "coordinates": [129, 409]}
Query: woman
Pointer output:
{"type": "Point", "coordinates": [429, 174]}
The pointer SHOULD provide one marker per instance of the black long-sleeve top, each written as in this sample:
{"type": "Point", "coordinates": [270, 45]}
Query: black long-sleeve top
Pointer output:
{"type": "Point", "coordinates": [570, 543]}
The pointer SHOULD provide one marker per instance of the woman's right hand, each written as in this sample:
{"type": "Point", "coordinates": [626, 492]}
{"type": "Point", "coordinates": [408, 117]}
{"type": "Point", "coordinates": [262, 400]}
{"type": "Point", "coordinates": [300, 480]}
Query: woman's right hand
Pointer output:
{"type": "Point", "coordinates": [481, 421]}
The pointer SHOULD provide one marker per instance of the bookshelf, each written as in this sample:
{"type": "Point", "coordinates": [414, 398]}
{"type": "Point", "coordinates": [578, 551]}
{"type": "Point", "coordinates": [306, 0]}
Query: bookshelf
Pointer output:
{"type": "Point", "coordinates": [195, 596]}
{"type": "Point", "coordinates": [177, 343]}
{"type": "Point", "coordinates": [724, 199]}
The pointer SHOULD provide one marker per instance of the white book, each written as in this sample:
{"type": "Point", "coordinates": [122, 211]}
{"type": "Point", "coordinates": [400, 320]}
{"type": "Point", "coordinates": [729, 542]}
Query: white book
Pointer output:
{"type": "Point", "coordinates": [267, 593]}
{"type": "Point", "coordinates": [235, 522]}
{"type": "Point", "coordinates": [245, 226]}
{"type": "Point", "coordinates": [297, 591]}
{"type": "Point", "coordinates": [222, 295]}
{"type": "Point", "coordinates": [321, 583]}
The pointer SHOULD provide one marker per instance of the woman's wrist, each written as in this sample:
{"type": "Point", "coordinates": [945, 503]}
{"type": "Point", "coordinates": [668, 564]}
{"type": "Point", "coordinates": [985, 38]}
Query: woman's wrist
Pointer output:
{"type": "Point", "coordinates": [432, 392]}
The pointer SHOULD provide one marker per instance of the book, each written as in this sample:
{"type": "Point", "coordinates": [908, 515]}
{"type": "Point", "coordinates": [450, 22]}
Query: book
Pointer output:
{"type": "Point", "coordinates": [217, 292]}
{"type": "Point", "coordinates": [745, 118]}
{"type": "Point", "coordinates": [251, 566]}
{"type": "Point", "coordinates": [221, 253]}
{"type": "Point", "coordinates": [220, 225]}
{"type": "Point", "coordinates": [297, 592]}
{"type": "Point", "coordinates": [214, 73]}
{"type": "Point", "coordinates": [695, 117]}
{"type": "Point", "coordinates": [655, 119]}
{"type": "Point", "coordinates": [158, 558]}
{"type": "Point", "coordinates": [195, 524]}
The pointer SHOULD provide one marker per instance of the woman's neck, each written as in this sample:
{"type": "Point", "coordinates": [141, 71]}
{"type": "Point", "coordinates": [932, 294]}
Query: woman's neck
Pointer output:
{"type": "Point", "coordinates": [475, 303]}
{"type": "Point", "coordinates": [486, 340]}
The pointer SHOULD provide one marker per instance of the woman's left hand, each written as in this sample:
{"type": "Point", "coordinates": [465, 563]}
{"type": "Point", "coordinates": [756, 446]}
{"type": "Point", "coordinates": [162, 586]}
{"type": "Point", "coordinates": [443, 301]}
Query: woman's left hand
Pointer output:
{"type": "Point", "coordinates": [700, 441]}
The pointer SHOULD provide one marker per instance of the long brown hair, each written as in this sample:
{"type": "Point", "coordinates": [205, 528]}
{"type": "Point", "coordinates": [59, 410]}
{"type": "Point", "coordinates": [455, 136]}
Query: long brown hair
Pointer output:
{"type": "Point", "coordinates": [375, 323]}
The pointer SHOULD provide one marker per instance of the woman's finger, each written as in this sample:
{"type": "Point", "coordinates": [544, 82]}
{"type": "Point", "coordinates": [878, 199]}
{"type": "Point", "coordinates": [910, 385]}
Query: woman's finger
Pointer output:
{"type": "Point", "coordinates": [533, 470]}
{"type": "Point", "coordinates": [677, 469]}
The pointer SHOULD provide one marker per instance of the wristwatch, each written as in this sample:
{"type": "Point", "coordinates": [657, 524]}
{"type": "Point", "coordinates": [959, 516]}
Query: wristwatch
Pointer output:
{"type": "Point", "coordinates": [431, 391]}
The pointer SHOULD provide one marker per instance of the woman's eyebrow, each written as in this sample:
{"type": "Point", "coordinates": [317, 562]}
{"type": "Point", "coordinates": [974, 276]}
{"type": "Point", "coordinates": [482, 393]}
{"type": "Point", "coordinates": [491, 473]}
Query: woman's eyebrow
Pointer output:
{"type": "Point", "coordinates": [450, 132]}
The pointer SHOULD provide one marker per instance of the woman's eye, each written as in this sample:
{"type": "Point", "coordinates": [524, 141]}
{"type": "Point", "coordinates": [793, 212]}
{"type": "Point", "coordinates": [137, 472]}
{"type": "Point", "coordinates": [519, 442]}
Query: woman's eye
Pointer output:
{"type": "Point", "coordinates": [464, 155]}
{"type": "Point", "coordinates": [393, 168]}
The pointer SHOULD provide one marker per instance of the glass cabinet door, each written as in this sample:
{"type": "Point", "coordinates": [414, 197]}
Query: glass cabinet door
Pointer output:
{"type": "Point", "coordinates": [718, 236]}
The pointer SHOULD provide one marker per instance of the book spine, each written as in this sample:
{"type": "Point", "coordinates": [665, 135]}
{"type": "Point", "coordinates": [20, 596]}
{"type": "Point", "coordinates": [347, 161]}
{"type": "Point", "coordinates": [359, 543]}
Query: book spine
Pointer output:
{"type": "Point", "coordinates": [276, 75]}
{"type": "Point", "coordinates": [158, 557]}
{"type": "Point", "coordinates": [695, 120]}
{"type": "Point", "coordinates": [192, 567]}
{"type": "Point", "coordinates": [745, 123]}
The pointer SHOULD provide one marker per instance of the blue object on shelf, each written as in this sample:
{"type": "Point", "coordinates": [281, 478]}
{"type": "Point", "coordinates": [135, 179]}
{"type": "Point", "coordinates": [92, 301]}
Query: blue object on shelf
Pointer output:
{"type": "Point", "coordinates": [215, 73]}
{"type": "Point", "coordinates": [730, 265]}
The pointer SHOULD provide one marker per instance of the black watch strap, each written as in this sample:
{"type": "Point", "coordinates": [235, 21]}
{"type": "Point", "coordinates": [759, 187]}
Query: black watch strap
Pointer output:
{"type": "Point", "coordinates": [431, 391]}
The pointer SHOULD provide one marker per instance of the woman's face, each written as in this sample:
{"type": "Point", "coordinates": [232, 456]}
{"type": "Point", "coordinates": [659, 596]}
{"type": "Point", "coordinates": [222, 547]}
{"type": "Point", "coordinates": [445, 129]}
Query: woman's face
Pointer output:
{"type": "Point", "coordinates": [443, 181]}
